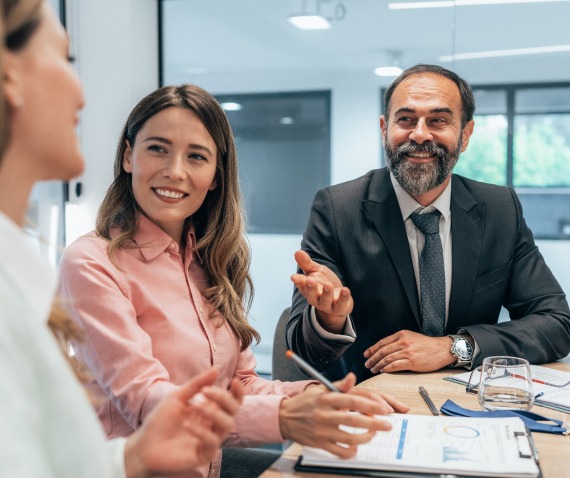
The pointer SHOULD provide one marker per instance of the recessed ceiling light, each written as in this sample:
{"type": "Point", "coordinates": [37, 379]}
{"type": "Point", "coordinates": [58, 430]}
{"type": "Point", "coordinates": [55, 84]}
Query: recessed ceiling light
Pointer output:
{"type": "Point", "coordinates": [310, 22]}
{"type": "Point", "coordinates": [461, 3]}
{"type": "Point", "coordinates": [286, 120]}
{"type": "Point", "coordinates": [476, 55]}
{"type": "Point", "coordinates": [388, 71]}
{"type": "Point", "coordinates": [230, 106]}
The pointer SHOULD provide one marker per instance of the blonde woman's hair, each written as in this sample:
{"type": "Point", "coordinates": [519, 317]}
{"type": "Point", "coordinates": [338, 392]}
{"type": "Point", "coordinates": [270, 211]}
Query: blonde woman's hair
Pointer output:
{"type": "Point", "coordinates": [219, 224]}
{"type": "Point", "coordinates": [20, 20]}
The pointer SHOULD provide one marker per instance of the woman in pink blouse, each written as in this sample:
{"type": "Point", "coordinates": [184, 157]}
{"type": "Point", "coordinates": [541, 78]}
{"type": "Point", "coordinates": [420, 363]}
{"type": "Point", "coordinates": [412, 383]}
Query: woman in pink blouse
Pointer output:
{"type": "Point", "coordinates": [162, 286]}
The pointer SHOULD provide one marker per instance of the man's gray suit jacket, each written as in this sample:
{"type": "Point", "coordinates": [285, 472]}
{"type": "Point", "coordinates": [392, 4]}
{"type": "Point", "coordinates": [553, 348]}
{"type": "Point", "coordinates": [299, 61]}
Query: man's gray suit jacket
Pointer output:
{"type": "Point", "coordinates": [356, 229]}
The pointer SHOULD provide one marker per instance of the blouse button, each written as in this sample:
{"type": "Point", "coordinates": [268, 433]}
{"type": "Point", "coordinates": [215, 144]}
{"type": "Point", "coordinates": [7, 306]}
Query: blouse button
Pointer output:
{"type": "Point", "coordinates": [214, 347]}
{"type": "Point", "coordinates": [171, 246]}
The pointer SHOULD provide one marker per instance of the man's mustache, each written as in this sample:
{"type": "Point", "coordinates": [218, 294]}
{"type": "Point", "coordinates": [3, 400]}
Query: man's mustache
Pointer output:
{"type": "Point", "coordinates": [428, 147]}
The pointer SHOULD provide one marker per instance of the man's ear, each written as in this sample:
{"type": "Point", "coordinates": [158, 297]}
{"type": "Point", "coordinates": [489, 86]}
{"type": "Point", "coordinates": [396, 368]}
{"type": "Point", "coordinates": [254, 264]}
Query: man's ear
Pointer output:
{"type": "Point", "coordinates": [128, 157]}
{"type": "Point", "coordinates": [383, 126]}
{"type": "Point", "coordinates": [11, 80]}
{"type": "Point", "coordinates": [466, 133]}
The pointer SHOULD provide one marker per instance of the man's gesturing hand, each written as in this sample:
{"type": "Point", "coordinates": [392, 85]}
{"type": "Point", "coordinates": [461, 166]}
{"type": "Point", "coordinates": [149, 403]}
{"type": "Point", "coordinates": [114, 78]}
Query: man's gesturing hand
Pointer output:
{"type": "Point", "coordinates": [324, 291]}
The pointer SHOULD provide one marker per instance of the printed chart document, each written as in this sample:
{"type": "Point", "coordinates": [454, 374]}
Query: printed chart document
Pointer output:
{"type": "Point", "coordinates": [542, 378]}
{"type": "Point", "coordinates": [497, 447]}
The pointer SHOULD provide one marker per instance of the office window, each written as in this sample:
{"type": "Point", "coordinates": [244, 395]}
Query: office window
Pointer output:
{"type": "Point", "coordinates": [486, 156]}
{"type": "Point", "coordinates": [283, 145]}
{"type": "Point", "coordinates": [522, 139]}
{"type": "Point", "coordinates": [542, 138]}
{"type": "Point", "coordinates": [541, 158]}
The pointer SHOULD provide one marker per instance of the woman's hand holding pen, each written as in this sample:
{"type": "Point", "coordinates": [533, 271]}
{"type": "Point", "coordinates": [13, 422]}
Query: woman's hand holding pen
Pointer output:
{"type": "Point", "coordinates": [396, 405]}
{"type": "Point", "coordinates": [382, 398]}
{"type": "Point", "coordinates": [313, 417]}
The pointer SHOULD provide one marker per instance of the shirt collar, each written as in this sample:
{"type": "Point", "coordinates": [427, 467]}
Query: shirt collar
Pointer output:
{"type": "Point", "coordinates": [408, 205]}
{"type": "Point", "coordinates": [153, 241]}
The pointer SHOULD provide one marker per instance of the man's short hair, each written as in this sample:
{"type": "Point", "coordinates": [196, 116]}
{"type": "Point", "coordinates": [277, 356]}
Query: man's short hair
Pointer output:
{"type": "Point", "coordinates": [467, 99]}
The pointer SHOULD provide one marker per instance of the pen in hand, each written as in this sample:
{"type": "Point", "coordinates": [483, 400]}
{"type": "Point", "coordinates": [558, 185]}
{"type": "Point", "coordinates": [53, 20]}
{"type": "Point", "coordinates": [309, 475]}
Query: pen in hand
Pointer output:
{"type": "Point", "coordinates": [310, 370]}
{"type": "Point", "coordinates": [427, 399]}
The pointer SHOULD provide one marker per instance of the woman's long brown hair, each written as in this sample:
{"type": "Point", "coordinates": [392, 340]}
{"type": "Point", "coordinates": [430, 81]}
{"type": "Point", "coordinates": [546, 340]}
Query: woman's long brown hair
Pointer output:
{"type": "Point", "coordinates": [20, 20]}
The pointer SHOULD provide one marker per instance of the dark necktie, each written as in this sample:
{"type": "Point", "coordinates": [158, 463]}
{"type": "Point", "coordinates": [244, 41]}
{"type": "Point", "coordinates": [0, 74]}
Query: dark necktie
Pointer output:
{"type": "Point", "coordinates": [432, 275]}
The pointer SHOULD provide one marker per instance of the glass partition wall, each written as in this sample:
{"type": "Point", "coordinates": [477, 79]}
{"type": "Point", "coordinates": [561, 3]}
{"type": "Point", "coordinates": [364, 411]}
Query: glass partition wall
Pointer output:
{"type": "Point", "coordinates": [516, 56]}
{"type": "Point", "coordinates": [46, 212]}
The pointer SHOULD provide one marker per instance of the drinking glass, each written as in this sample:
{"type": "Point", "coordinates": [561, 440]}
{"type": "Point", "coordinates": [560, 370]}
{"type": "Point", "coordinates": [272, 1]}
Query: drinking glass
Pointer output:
{"type": "Point", "coordinates": [505, 384]}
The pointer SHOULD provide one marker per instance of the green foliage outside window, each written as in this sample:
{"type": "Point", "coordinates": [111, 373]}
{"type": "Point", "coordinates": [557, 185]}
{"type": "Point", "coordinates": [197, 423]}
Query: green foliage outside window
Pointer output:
{"type": "Point", "coordinates": [485, 158]}
{"type": "Point", "coordinates": [542, 150]}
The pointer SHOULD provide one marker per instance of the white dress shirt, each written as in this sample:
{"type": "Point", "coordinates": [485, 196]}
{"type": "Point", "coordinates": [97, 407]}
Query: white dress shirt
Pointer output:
{"type": "Point", "coordinates": [416, 239]}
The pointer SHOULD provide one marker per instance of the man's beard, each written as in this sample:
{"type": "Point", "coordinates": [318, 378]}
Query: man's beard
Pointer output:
{"type": "Point", "coordinates": [417, 179]}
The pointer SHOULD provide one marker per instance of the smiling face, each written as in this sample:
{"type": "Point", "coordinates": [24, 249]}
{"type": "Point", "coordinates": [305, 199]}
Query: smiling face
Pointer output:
{"type": "Point", "coordinates": [423, 136]}
{"type": "Point", "coordinates": [173, 163]}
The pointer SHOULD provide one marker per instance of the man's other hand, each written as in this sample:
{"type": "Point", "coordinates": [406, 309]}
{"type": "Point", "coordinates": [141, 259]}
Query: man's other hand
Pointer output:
{"type": "Point", "coordinates": [407, 350]}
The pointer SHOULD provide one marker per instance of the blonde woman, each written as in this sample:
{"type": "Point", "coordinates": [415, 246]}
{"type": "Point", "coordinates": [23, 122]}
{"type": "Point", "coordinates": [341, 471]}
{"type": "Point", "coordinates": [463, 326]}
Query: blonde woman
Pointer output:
{"type": "Point", "coordinates": [47, 426]}
{"type": "Point", "coordinates": [162, 286]}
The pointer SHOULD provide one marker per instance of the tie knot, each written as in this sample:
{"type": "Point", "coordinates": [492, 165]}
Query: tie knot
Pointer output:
{"type": "Point", "coordinates": [427, 223]}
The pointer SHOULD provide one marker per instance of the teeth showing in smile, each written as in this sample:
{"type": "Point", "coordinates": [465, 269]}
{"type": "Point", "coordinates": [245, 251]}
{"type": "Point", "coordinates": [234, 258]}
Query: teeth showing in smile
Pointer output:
{"type": "Point", "coordinates": [421, 155]}
{"type": "Point", "coordinates": [169, 194]}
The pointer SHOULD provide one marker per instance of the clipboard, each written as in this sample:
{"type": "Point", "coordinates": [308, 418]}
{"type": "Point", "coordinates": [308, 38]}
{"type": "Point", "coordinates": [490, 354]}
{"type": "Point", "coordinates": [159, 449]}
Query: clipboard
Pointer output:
{"type": "Point", "coordinates": [377, 473]}
{"type": "Point", "coordinates": [459, 447]}
{"type": "Point", "coordinates": [370, 473]}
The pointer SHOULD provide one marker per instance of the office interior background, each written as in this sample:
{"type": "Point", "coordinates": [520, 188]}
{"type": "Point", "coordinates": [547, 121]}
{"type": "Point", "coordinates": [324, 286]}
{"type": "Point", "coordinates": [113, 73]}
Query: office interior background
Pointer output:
{"type": "Point", "coordinates": [305, 105]}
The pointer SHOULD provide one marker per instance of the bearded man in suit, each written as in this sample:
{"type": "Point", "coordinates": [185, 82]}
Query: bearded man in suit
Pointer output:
{"type": "Point", "coordinates": [377, 290]}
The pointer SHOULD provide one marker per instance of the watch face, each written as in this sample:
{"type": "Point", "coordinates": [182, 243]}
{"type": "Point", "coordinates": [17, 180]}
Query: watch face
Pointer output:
{"type": "Point", "coordinates": [463, 349]}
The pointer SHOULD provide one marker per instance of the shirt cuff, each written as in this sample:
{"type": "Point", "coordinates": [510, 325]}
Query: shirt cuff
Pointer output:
{"type": "Point", "coordinates": [348, 335]}
{"type": "Point", "coordinates": [257, 421]}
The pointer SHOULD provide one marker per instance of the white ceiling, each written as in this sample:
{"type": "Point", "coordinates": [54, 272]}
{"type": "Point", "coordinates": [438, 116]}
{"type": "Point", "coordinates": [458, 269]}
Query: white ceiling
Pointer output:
{"type": "Point", "coordinates": [230, 37]}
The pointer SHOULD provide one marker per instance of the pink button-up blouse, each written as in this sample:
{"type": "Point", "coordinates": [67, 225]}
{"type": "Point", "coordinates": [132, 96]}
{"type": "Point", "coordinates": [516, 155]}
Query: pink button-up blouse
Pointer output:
{"type": "Point", "coordinates": [148, 330]}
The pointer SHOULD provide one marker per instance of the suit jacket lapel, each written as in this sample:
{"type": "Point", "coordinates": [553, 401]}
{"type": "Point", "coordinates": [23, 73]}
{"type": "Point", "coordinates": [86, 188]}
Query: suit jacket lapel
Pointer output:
{"type": "Point", "coordinates": [467, 226]}
{"type": "Point", "coordinates": [382, 206]}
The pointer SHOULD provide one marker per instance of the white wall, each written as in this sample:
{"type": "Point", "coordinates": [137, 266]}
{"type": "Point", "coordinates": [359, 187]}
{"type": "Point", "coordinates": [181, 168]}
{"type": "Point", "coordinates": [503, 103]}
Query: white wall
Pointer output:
{"type": "Point", "coordinates": [116, 47]}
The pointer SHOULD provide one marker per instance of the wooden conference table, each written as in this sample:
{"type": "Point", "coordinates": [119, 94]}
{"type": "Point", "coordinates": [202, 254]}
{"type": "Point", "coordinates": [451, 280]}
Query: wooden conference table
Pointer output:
{"type": "Point", "coordinates": [554, 450]}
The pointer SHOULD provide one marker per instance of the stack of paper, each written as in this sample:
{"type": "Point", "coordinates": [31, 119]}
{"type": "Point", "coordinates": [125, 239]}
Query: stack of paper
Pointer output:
{"type": "Point", "coordinates": [497, 447]}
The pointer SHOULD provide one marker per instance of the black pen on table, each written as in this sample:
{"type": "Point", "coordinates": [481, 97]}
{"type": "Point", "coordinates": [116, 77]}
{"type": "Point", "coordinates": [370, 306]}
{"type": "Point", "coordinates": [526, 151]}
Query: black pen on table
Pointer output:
{"type": "Point", "coordinates": [311, 371]}
{"type": "Point", "coordinates": [425, 396]}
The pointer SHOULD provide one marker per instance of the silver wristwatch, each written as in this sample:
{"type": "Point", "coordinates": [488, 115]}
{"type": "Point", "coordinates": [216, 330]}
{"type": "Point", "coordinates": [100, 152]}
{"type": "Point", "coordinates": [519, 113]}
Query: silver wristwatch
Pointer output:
{"type": "Point", "coordinates": [462, 350]}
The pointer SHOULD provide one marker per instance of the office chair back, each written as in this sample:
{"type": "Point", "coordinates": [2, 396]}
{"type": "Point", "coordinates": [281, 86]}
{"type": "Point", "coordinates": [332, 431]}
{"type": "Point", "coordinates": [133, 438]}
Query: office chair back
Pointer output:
{"type": "Point", "coordinates": [283, 368]}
